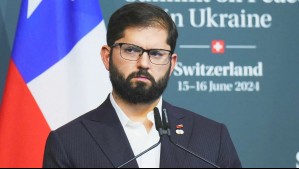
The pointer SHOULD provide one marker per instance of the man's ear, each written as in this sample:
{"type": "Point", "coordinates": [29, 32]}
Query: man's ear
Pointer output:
{"type": "Point", "coordinates": [174, 61]}
{"type": "Point", "coordinates": [105, 53]}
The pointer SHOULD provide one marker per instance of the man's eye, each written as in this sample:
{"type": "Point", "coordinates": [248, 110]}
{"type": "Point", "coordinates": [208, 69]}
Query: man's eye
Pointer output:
{"type": "Point", "coordinates": [132, 50]}
{"type": "Point", "coordinates": [156, 53]}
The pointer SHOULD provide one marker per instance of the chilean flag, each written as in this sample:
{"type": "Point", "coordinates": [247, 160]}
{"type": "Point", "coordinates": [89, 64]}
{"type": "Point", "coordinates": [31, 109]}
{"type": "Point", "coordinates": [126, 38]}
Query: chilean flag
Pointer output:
{"type": "Point", "coordinates": [55, 75]}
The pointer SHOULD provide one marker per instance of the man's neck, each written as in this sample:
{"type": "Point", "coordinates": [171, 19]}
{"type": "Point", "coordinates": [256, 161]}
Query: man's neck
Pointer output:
{"type": "Point", "coordinates": [135, 112]}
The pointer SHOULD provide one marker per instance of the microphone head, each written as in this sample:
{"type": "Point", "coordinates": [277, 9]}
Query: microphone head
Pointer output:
{"type": "Point", "coordinates": [165, 120]}
{"type": "Point", "coordinates": [158, 120]}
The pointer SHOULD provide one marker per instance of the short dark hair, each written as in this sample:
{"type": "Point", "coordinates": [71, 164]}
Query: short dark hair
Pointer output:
{"type": "Point", "coordinates": [140, 15]}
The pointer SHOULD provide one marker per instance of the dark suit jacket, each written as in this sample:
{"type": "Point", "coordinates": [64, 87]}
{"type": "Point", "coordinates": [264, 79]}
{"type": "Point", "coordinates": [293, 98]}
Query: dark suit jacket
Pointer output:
{"type": "Point", "coordinates": [98, 140]}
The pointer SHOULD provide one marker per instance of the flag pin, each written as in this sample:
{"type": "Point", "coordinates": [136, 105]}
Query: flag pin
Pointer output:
{"type": "Point", "coordinates": [180, 132]}
{"type": "Point", "coordinates": [180, 126]}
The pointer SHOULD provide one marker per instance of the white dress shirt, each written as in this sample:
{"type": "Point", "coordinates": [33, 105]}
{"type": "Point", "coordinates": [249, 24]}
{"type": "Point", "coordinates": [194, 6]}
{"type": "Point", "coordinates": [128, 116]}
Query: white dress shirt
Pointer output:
{"type": "Point", "coordinates": [139, 138]}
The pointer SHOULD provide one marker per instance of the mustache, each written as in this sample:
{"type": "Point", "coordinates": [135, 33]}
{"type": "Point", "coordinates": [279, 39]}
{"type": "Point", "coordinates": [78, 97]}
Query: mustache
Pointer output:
{"type": "Point", "coordinates": [143, 73]}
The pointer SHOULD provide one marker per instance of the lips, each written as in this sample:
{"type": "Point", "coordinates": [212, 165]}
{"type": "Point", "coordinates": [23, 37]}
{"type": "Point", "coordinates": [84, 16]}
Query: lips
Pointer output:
{"type": "Point", "coordinates": [141, 76]}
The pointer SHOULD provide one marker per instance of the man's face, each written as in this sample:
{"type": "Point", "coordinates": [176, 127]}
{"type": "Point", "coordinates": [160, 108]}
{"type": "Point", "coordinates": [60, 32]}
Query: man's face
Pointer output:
{"type": "Point", "coordinates": [140, 81]}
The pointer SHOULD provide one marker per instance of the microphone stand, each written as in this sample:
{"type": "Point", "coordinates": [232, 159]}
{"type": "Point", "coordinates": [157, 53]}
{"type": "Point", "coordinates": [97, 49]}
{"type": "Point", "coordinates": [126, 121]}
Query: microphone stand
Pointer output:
{"type": "Point", "coordinates": [139, 155]}
{"type": "Point", "coordinates": [159, 127]}
{"type": "Point", "coordinates": [192, 153]}
{"type": "Point", "coordinates": [168, 133]}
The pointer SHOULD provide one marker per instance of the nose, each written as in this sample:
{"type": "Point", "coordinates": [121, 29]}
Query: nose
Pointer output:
{"type": "Point", "coordinates": [144, 61]}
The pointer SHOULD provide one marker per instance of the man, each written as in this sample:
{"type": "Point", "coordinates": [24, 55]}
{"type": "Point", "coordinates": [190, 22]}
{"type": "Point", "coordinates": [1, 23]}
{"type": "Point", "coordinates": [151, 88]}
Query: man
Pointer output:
{"type": "Point", "coordinates": [140, 58]}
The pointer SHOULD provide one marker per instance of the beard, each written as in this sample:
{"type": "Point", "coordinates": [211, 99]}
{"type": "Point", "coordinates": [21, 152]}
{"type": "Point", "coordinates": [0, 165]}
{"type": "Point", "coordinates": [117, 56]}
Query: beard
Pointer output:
{"type": "Point", "coordinates": [137, 92]}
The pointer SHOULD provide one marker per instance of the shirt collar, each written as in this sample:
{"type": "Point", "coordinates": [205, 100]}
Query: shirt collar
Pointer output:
{"type": "Point", "coordinates": [124, 119]}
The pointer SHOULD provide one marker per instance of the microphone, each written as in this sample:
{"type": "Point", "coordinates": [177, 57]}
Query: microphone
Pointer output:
{"type": "Point", "coordinates": [166, 122]}
{"type": "Point", "coordinates": [167, 128]}
{"type": "Point", "coordinates": [158, 122]}
{"type": "Point", "coordinates": [159, 128]}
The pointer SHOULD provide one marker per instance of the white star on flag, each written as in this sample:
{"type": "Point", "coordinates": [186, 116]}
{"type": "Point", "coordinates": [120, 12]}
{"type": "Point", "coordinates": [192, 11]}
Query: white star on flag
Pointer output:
{"type": "Point", "coordinates": [32, 6]}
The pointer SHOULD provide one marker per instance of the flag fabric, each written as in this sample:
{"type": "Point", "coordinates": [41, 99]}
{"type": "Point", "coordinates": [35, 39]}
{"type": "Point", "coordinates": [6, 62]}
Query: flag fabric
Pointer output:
{"type": "Point", "coordinates": [55, 75]}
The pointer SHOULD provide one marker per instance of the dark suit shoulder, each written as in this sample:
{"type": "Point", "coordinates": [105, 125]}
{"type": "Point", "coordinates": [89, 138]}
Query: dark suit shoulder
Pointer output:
{"type": "Point", "coordinates": [207, 137]}
{"type": "Point", "coordinates": [75, 124]}
{"type": "Point", "coordinates": [97, 114]}
{"type": "Point", "coordinates": [74, 145]}
{"type": "Point", "coordinates": [184, 113]}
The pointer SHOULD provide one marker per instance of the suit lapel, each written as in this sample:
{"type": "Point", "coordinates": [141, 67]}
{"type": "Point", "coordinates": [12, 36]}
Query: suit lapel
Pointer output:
{"type": "Point", "coordinates": [172, 156]}
{"type": "Point", "coordinates": [105, 128]}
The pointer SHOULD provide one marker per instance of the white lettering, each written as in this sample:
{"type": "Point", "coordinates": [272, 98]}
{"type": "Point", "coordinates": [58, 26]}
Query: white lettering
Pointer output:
{"type": "Point", "coordinates": [281, 1]}
{"type": "Point", "coordinates": [209, 71]}
{"type": "Point", "coordinates": [258, 71]}
{"type": "Point", "coordinates": [211, 23]}
{"type": "Point", "coordinates": [266, 21]}
{"type": "Point", "coordinates": [232, 70]}
{"type": "Point", "coordinates": [172, 1]}
{"type": "Point", "coordinates": [218, 71]}
{"type": "Point", "coordinates": [178, 18]}
{"type": "Point", "coordinates": [192, 18]}
{"type": "Point", "coordinates": [206, 18]}
{"type": "Point", "coordinates": [189, 70]}
{"type": "Point", "coordinates": [178, 71]}
{"type": "Point", "coordinates": [220, 87]}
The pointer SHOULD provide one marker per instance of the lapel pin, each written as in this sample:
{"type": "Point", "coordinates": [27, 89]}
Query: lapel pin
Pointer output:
{"type": "Point", "coordinates": [180, 132]}
{"type": "Point", "coordinates": [180, 126]}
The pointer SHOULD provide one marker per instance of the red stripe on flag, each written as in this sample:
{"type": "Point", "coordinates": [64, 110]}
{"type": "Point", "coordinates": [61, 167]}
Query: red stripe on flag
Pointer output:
{"type": "Point", "coordinates": [23, 128]}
